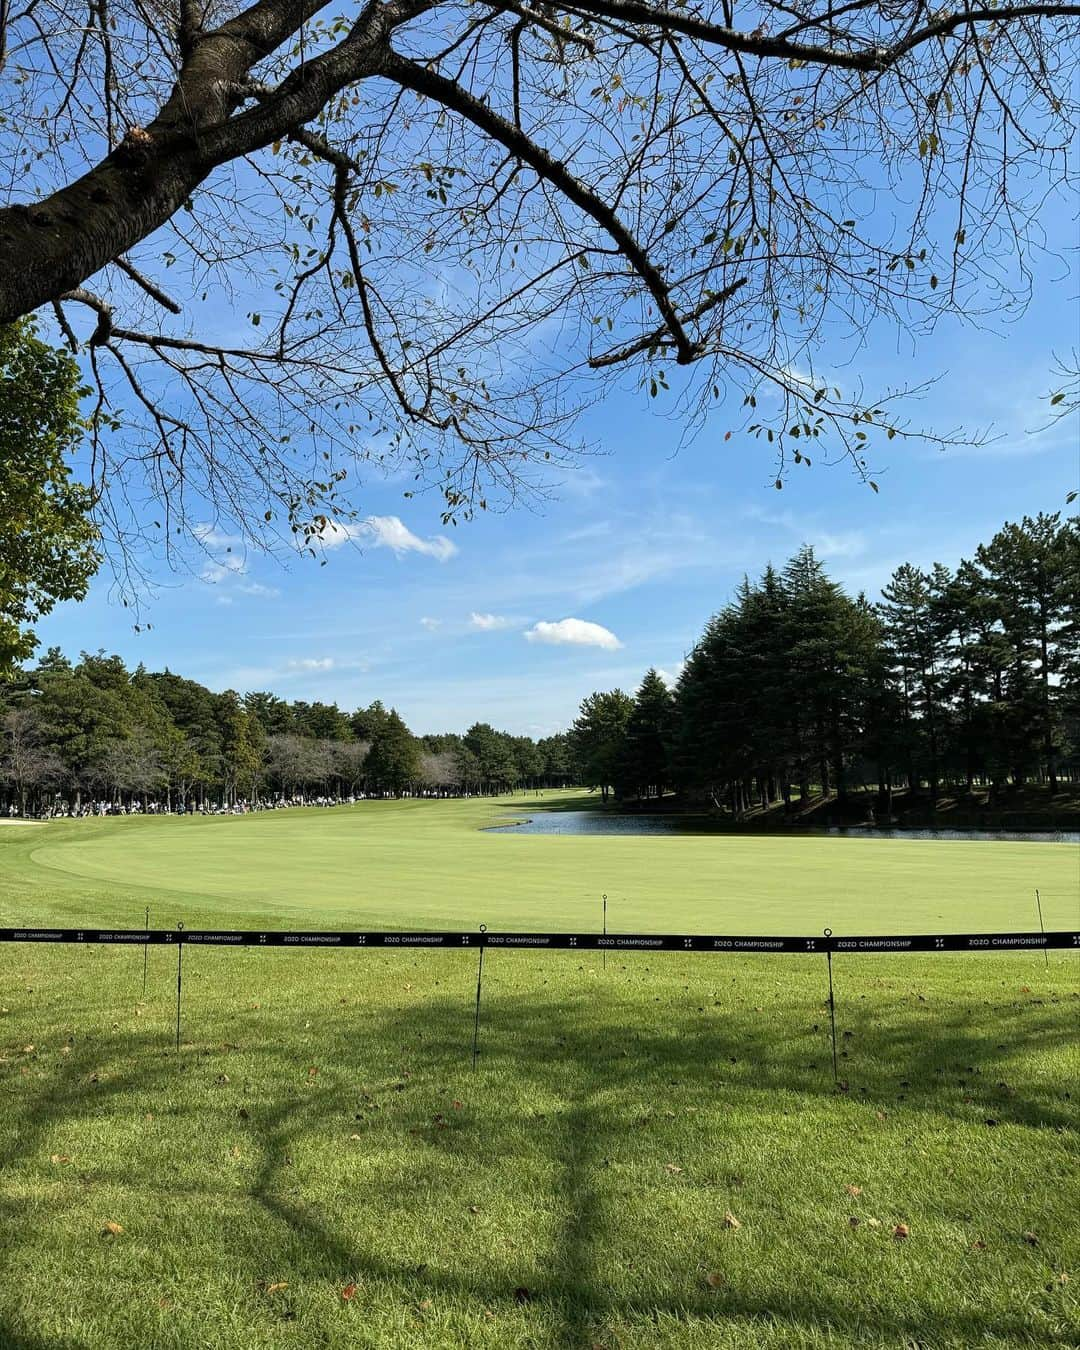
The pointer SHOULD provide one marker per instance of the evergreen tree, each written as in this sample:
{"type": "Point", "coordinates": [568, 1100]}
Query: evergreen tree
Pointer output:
{"type": "Point", "coordinates": [393, 764]}
{"type": "Point", "coordinates": [597, 737]}
{"type": "Point", "coordinates": [643, 761]}
{"type": "Point", "coordinates": [917, 650]}
{"type": "Point", "coordinates": [1032, 574]}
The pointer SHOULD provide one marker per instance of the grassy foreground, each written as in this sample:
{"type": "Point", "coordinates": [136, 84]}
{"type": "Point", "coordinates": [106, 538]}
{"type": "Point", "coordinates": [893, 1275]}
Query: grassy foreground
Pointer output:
{"type": "Point", "coordinates": [648, 1155]}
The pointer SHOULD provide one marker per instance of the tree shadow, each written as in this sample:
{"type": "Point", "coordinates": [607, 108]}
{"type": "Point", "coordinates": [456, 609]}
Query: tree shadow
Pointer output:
{"type": "Point", "coordinates": [601, 1069]}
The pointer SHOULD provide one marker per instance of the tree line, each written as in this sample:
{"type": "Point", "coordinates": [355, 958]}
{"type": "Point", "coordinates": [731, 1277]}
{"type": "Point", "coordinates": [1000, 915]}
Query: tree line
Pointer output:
{"type": "Point", "coordinates": [962, 679]}
{"type": "Point", "coordinates": [92, 734]}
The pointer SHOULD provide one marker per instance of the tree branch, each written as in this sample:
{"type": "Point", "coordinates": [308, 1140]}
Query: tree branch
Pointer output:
{"type": "Point", "coordinates": [656, 337]}
{"type": "Point", "coordinates": [453, 96]}
{"type": "Point", "coordinates": [151, 288]}
{"type": "Point", "coordinates": [759, 43]}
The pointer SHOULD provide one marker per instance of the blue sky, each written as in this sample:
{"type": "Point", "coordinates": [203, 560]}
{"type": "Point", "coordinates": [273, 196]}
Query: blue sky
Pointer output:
{"type": "Point", "coordinates": [645, 542]}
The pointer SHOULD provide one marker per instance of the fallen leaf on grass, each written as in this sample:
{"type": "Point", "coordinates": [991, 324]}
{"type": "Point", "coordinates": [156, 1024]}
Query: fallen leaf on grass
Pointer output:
{"type": "Point", "coordinates": [59, 1158]}
{"type": "Point", "coordinates": [1031, 1239]}
{"type": "Point", "coordinates": [673, 1168]}
{"type": "Point", "coordinates": [730, 1221]}
{"type": "Point", "coordinates": [853, 1190]}
{"type": "Point", "coordinates": [978, 1245]}
{"type": "Point", "coordinates": [854, 1221]}
{"type": "Point", "coordinates": [474, 1209]}
{"type": "Point", "coordinates": [873, 1223]}
{"type": "Point", "coordinates": [111, 1229]}
{"type": "Point", "coordinates": [313, 1072]}
{"type": "Point", "coordinates": [348, 1292]}
{"type": "Point", "coordinates": [276, 1288]}
{"type": "Point", "coordinates": [424, 1305]}
{"type": "Point", "coordinates": [715, 1280]}
{"type": "Point", "coordinates": [901, 1231]}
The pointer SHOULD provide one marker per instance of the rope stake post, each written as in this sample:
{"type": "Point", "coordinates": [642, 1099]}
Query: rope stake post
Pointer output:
{"type": "Point", "coordinates": [145, 952]}
{"type": "Point", "coordinates": [179, 980]}
{"type": "Point", "coordinates": [605, 928]}
{"type": "Point", "coordinates": [479, 984]}
{"type": "Point", "coordinates": [1042, 926]}
{"type": "Point", "coordinates": [832, 1009]}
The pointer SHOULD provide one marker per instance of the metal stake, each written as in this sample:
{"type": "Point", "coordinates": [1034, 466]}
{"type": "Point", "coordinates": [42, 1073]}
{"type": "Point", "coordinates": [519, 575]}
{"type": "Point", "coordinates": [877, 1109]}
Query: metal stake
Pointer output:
{"type": "Point", "coordinates": [832, 1010]}
{"type": "Point", "coordinates": [479, 982]}
{"type": "Point", "coordinates": [145, 952]}
{"type": "Point", "coordinates": [179, 982]}
{"type": "Point", "coordinates": [1042, 926]}
{"type": "Point", "coordinates": [605, 928]}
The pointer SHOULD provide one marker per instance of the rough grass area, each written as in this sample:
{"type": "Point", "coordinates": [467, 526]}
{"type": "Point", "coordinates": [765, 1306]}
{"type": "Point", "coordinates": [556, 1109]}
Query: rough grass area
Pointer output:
{"type": "Point", "coordinates": [649, 1155]}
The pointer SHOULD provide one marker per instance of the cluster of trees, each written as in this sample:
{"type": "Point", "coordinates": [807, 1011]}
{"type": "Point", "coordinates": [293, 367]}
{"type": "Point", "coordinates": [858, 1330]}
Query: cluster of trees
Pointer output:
{"type": "Point", "coordinates": [97, 732]}
{"type": "Point", "coordinates": [958, 678]}
{"type": "Point", "coordinates": [964, 678]}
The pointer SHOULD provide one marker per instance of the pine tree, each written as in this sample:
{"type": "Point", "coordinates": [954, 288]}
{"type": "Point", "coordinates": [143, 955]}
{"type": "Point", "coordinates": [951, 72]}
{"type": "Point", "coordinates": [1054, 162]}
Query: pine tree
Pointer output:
{"type": "Point", "coordinates": [643, 762]}
{"type": "Point", "coordinates": [393, 764]}
{"type": "Point", "coordinates": [1031, 572]}
{"type": "Point", "coordinates": [917, 649]}
{"type": "Point", "coordinates": [597, 737]}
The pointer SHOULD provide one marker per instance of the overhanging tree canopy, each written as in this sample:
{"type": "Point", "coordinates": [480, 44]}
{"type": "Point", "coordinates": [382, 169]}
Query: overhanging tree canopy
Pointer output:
{"type": "Point", "coordinates": [293, 234]}
{"type": "Point", "coordinates": [48, 546]}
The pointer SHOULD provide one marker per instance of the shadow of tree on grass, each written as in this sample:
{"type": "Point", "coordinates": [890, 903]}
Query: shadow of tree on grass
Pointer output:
{"type": "Point", "coordinates": [612, 1076]}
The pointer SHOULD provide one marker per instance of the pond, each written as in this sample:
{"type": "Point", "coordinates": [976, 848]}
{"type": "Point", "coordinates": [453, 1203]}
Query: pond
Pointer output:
{"type": "Point", "coordinates": [609, 823]}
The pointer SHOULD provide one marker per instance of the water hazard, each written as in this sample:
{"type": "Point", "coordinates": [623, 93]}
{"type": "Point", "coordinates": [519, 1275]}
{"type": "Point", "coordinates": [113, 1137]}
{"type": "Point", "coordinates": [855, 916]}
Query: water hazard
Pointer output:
{"type": "Point", "coordinates": [613, 823]}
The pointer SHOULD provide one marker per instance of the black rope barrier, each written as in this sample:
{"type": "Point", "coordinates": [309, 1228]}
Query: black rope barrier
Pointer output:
{"type": "Point", "coordinates": [827, 945]}
{"type": "Point", "coordinates": [605, 942]}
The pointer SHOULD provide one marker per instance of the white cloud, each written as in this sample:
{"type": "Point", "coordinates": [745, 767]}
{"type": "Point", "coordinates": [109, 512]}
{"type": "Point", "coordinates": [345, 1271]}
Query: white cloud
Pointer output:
{"type": "Point", "coordinates": [217, 572]}
{"type": "Point", "coordinates": [388, 532]}
{"type": "Point", "coordinates": [312, 663]}
{"type": "Point", "coordinates": [489, 623]}
{"type": "Point", "coordinates": [574, 632]}
{"type": "Point", "coordinates": [831, 544]}
{"type": "Point", "coordinates": [226, 575]}
{"type": "Point", "coordinates": [212, 537]}
{"type": "Point", "coordinates": [671, 677]}
{"type": "Point", "coordinates": [430, 624]}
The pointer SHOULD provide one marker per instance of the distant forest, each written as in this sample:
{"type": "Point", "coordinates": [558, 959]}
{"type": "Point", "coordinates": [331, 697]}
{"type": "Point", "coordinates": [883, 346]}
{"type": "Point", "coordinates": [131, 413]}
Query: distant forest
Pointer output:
{"type": "Point", "coordinates": [95, 732]}
{"type": "Point", "coordinates": [952, 680]}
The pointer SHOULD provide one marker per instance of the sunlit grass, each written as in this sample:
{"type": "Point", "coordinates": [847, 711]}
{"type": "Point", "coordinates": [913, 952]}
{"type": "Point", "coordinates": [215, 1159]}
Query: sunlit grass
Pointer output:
{"type": "Point", "coordinates": [322, 1128]}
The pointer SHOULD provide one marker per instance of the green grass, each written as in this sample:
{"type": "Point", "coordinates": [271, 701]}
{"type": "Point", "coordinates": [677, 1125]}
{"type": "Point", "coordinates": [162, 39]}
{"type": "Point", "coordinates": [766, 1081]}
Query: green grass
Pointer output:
{"type": "Point", "coordinates": [321, 1126]}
